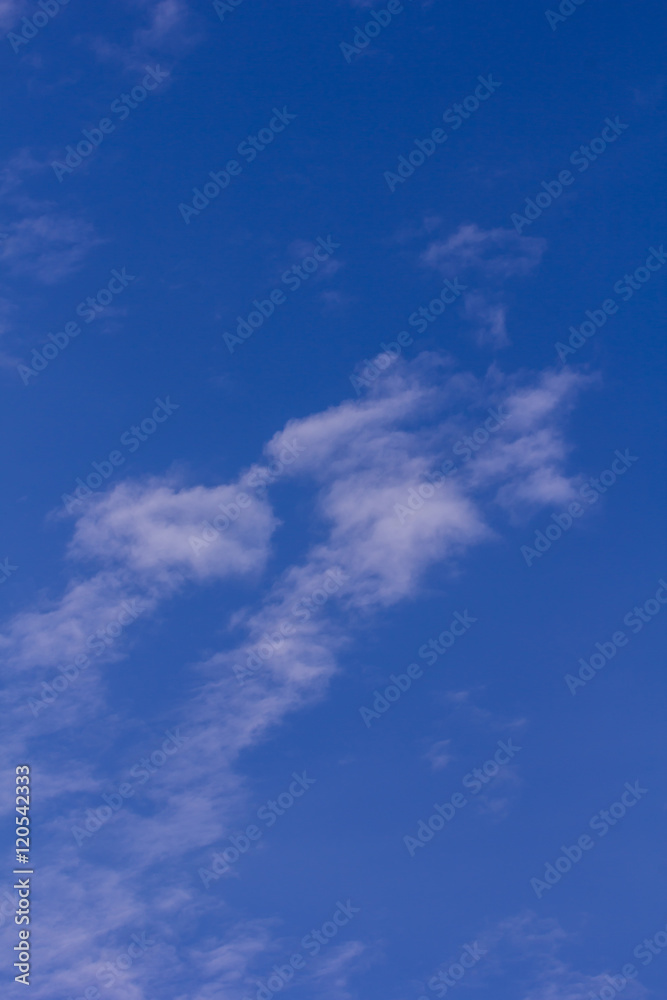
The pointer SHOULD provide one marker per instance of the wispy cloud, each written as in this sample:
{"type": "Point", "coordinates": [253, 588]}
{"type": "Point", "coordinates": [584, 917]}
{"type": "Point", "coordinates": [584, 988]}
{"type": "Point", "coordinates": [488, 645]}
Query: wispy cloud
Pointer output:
{"type": "Point", "coordinates": [47, 247]}
{"type": "Point", "coordinates": [168, 29]}
{"type": "Point", "coordinates": [357, 459]}
{"type": "Point", "coordinates": [39, 240]}
{"type": "Point", "coordinates": [11, 12]}
{"type": "Point", "coordinates": [530, 947]}
{"type": "Point", "coordinates": [490, 258]}
{"type": "Point", "coordinates": [439, 756]}
{"type": "Point", "coordinates": [526, 950]}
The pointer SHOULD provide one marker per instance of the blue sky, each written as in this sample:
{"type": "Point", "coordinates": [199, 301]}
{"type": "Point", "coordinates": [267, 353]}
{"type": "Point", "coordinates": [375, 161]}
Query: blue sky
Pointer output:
{"type": "Point", "coordinates": [334, 493]}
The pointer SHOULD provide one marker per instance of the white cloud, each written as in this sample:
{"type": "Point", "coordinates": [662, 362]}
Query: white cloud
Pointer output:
{"type": "Point", "coordinates": [38, 239]}
{"type": "Point", "coordinates": [543, 975]}
{"type": "Point", "coordinates": [366, 455]}
{"type": "Point", "coordinates": [47, 247]}
{"type": "Point", "coordinates": [168, 30]}
{"type": "Point", "coordinates": [489, 319]}
{"type": "Point", "coordinates": [488, 259]}
{"type": "Point", "coordinates": [156, 531]}
{"type": "Point", "coordinates": [11, 12]}
{"type": "Point", "coordinates": [335, 969]}
{"type": "Point", "coordinates": [14, 171]}
{"type": "Point", "coordinates": [141, 533]}
{"type": "Point", "coordinates": [524, 949]}
{"type": "Point", "coordinates": [361, 457]}
{"type": "Point", "coordinates": [439, 756]}
{"type": "Point", "coordinates": [525, 460]}
{"type": "Point", "coordinates": [501, 253]}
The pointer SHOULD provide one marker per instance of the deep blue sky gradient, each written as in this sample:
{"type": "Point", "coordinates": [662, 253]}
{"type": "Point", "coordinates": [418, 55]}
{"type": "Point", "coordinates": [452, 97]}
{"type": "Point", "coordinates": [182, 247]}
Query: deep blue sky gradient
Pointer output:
{"type": "Point", "coordinates": [163, 336]}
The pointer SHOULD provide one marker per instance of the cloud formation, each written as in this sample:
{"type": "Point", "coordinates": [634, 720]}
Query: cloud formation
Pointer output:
{"type": "Point", "coordinates": [489, 258]}
{"type": "Point", "coordinates": [356, 461]}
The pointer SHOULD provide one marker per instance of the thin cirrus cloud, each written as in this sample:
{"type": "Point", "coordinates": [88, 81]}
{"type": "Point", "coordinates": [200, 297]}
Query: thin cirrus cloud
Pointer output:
{"type": "Point", "coordinates": [527, 950]}
{"type": "Point", "coordinates": [439, 756]}
{"type": "Point", "coordinates": [10, 12]}
{"type": "Point", "coordinates": [363, 457]}
{"type": "Point", "coordinates": [141, 532]}
{"type": "Point", "coordinates": [39, 241]}
{"type": "Point", "coordinates": [488, 258]}
{"type": "Point", "coordinates": [168, 28]}
{"type": "Point", "coordinates": [358, 459]}
{"type": "Point", "coordinates": [367, 455]}
{"type": "Point", "coordinates": [47, 247]}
